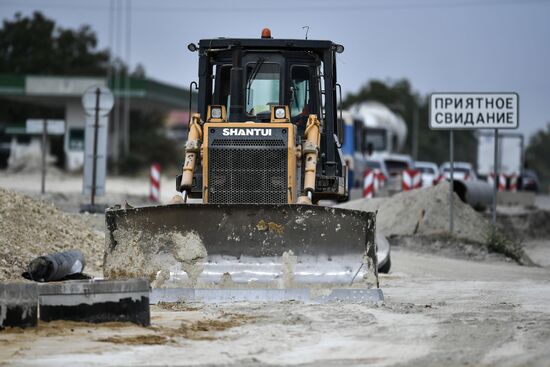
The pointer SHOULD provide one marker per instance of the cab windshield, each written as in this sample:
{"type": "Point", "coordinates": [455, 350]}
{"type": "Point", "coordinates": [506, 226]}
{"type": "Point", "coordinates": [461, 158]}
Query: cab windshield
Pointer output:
{"type": "Point", "coordinates": [262, 87]}
{"type": "Point", "coordinates": [376, 138]}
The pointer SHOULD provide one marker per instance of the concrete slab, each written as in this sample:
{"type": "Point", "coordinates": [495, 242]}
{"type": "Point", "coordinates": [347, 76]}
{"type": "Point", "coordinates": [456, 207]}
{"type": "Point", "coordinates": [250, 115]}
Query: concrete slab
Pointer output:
{"type": "Point", "coordinates": [18, 305]}
{"type": "Point", "coordinates": [96, 301]}
{"type": "Point", "coordinates": [520, 198]}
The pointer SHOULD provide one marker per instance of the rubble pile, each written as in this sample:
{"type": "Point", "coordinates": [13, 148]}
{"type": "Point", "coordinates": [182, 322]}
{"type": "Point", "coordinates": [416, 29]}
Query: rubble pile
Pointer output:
{"type": "Point", "coordinates": [424, 212]}
{"type": "Point", "coordinates": [31, 228]}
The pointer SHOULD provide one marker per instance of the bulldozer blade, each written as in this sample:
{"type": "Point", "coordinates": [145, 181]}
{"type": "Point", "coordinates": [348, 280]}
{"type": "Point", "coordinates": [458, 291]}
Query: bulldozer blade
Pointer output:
{"type": "Point", "coordinates": [305, 295]}
{"type": "Point", "coordinates": [242, 246]}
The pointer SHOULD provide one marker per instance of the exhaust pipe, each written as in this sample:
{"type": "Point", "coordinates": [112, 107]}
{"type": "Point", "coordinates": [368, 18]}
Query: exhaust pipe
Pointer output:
{"type": "Point", "coordinates": [478, 194]}
{"type": "Point", "coordinates": [236, 108]}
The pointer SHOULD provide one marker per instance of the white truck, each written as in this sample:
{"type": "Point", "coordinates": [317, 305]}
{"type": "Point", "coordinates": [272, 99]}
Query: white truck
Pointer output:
{"type": "Point", "coordinates": [385, 131]}
{"type": "Point", "coordinates": [510, 154]}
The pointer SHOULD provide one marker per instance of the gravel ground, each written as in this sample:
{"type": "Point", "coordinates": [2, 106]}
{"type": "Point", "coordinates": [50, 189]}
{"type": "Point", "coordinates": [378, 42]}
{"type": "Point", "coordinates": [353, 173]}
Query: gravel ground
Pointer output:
{"type": "Point", "coordinates": [438, 310]}
{"type": "Point", "coordinates": [69, 187]}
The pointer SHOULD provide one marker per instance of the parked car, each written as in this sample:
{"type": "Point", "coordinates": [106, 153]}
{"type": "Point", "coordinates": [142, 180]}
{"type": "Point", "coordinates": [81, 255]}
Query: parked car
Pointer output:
{"type": "Point", "coordinates": [462, 171]}
{"type": "Point", "coordinates": [379, 165]}
{"type": "Point", "coordinates": [395, 165]}
{"type": "Point", "coordinates": [530, 181]}
{"type": "Point", "coordinates": [428, 171]}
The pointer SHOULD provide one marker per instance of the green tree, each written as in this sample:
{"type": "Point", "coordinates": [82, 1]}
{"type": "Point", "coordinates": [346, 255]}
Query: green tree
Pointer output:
{"type": "Point", "coordinates": [400, 97]}
{"type": "Point", "coordinates": [35, 44]}
{"type": "Point", "coordinates": [537, 155]}
{"type": "Point", "coordinates": [148, 143]}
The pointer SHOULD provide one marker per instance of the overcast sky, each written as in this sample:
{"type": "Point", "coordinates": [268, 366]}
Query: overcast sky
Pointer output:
{"type": "Point", "coordinates": [439, 45]}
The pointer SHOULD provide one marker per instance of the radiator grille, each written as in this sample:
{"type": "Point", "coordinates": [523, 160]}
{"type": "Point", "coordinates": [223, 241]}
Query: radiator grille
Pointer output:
{"type": "Point", "coordinates": [247, 171]}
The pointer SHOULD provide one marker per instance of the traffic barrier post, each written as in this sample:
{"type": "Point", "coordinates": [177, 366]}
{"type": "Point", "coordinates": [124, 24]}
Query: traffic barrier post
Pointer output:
{"type": "Point", "coordinates": [411, 179]}
{"type": "Point", "coordinates": [154, 192]}
{"type": "Point", "coordinates": [368, 184]}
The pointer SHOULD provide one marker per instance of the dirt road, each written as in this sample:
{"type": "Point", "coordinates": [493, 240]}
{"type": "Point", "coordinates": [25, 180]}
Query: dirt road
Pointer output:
{"type": "Point", "coordinates": [438, 311]}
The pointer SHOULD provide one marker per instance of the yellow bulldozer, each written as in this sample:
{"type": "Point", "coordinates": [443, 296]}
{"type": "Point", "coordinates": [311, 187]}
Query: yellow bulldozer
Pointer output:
{"type": "Point", "coordinates": [263, 149]}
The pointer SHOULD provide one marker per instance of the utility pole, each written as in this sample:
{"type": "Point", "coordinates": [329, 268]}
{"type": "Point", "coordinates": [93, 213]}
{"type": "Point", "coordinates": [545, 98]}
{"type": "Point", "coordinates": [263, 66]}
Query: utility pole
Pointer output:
{"type": "Point", "coordinates": [128, 40]}
{"type": "Point", "coordinates": [116, 85]}
{"type": "Point", "coordinates": [415, 133]}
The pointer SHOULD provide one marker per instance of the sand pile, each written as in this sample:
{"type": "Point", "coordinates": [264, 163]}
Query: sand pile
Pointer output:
{"type": "Point", "coordinates": [31, 228]}
{"type": "Point", "coordinates": [426, 212]}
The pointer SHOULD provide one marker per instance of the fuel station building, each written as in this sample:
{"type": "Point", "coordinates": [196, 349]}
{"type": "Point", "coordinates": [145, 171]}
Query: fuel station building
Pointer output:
{"type": "Point", "coordinates": [58, 99]}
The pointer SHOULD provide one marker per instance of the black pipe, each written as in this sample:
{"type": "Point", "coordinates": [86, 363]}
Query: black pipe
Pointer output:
{"type": "Point", "coordinates": [55, 266]}
{"type": "Point", "coordinates": [478, 194]}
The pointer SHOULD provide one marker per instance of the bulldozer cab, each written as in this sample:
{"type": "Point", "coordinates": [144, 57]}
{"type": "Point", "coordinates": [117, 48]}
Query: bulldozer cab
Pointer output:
{"type": "Point", "coordinates": [249, 78]}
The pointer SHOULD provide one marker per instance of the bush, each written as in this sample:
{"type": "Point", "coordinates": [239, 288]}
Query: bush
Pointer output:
{"type": "Point", "coordinates": [148, 144]}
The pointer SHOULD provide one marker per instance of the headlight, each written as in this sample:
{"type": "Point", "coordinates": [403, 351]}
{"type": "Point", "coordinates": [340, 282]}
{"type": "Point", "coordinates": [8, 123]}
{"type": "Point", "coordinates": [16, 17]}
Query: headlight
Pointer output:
{"type": "Point", "coordinates": [216, 112]}
{"type": "Point", "coordinates": [280, 113]}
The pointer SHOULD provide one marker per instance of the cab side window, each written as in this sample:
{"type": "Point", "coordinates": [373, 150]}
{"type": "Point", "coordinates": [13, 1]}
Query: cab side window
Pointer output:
{"type": "Point", "coordinates": [300, 94]}
{"type": "Point", "coordinates": [222, 88]}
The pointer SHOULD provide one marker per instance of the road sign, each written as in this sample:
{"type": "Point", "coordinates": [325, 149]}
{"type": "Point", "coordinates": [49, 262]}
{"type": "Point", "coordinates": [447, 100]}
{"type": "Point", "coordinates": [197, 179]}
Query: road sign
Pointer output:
{"type": "Point", "coordinates": [106, 100]}
{"type": "Point", "coordinates": [466, 111]}
{"type": "Point", "coordinates": [474, 111]}
{"type": "Point", "coordinates": [36, 126]}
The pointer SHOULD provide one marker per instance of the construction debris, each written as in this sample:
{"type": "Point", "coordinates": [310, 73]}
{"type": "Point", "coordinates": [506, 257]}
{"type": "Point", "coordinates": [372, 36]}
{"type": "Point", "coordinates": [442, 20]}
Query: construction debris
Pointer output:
{"type": "Point", "coordinates": [56, 266]}
{"type": "Point", "coordinates": [424, 214]}
{"type": "Point", "coordinates": [31, 228]}
{"type": "Point", "coordinates": [424, 211]}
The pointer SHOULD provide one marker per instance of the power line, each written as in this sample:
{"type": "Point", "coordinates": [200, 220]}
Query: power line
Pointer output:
{"type": "Point", "coordinates": [282, 9]}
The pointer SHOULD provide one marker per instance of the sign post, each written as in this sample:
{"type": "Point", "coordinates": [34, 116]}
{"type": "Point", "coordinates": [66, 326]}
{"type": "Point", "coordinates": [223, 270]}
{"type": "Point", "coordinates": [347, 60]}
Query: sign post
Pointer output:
{"type": "Point", "coordinates": [97, 102]}
{"type": "Point", "coordinates": [44, 127]}
{"type": "Point", "coordinates": [472, 111]}
{"type": "Point", "coordinates": [452, 183]}
{"type": "Point", "coordinates": [44, 152]}
{"type": "Point", "coordinates": [496, 180]}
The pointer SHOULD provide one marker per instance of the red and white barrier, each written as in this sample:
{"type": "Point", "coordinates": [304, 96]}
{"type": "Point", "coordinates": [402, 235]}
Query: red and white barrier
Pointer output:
{"type": "Point", "coordinates": [379, 180]}
{"type": "Point", "coordinates": [438, 179]}
{"type": "Point", "coordinates": [368, 184]}
{"type": "Point", "coordinates": [154, 192]}
{"type": "Point", "coordinates": [513, 184]}
{"type": "Point", "coordinates": [501, 181]}
{"type": "Point", "coordinates": [411, 179]}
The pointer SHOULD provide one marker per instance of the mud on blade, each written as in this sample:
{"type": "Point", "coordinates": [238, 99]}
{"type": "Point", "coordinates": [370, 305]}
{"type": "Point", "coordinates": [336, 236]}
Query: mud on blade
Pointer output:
{"type": "Point", "coordinates": [241, 245]}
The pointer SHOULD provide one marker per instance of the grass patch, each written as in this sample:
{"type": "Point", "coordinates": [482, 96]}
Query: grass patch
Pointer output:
{"type": "Point", "coordinates": [500, 243]}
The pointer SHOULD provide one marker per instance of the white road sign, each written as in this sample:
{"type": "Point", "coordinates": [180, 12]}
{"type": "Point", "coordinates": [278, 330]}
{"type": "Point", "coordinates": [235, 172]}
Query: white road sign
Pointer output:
{"type": "Point", "coordinates": [36, 126]}
{"type": "Point", "coordinates": [474, 111]}
{"type": "Point", "coordinates": [106, 100]}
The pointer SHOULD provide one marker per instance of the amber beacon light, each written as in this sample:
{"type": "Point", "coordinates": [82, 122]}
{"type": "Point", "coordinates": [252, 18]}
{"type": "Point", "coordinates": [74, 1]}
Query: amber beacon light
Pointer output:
{"type": "Point", "coordinates": [266, 33]}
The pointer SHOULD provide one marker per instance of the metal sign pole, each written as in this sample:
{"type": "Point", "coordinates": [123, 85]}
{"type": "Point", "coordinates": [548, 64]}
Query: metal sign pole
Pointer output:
{"type": "Point", "coordinates": [44, 153]}
{"type": "Point", "coordinates": [97, 102]}
{"type": "Point", "coordinates": [495, 186]}
{"type": "Point", "coordinates": [94, 164]}
{"type": "Point", "coordinates": [451, 191]}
